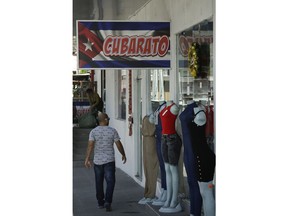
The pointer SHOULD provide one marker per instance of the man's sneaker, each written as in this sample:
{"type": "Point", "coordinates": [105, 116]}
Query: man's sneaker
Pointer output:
{"type": "Point", "coordinates": [100, 206]}
{"type": "Point", "coordinates": [108, 207]}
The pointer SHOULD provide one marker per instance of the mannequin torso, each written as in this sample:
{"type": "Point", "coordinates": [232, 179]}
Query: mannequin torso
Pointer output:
{"type": "Point", "coordinates": [168, 117]}
{"type": "Point", "coordinates": [173, 109]}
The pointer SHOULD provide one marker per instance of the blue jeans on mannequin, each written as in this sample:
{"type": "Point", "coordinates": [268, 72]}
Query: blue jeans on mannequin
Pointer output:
{"type": "Point", "coordinates": [160, 158]}
{"type": "Point", "coordinates": [107, 172]}
{"type": "Point", "coordinates": [194, 190]}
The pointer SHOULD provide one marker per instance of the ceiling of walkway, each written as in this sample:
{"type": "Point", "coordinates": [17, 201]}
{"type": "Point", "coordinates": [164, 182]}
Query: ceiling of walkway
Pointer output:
{"type": "Point", "coordinates": [104, 10]}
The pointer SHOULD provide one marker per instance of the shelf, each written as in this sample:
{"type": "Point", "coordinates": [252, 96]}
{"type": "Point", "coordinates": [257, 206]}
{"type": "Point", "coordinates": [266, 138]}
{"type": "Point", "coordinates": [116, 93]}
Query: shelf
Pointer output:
{"type": "Point", "coordinates": [191, 93]}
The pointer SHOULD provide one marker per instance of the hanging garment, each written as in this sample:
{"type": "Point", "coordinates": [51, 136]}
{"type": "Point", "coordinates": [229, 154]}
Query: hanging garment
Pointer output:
{"type": "Point", "coordinates": [209, 130]}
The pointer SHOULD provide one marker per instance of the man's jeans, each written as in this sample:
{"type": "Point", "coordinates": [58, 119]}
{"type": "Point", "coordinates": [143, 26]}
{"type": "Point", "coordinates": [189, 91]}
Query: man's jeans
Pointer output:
{"type": "Point", "coordinates": [106, 171]}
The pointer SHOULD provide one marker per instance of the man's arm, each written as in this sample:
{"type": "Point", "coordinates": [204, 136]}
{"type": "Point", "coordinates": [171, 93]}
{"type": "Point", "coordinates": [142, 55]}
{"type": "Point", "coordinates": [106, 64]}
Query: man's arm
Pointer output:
{"type": "Point", "coordinates": [121, 150]}
{"type": "Point", "coordinates": [88, 153]}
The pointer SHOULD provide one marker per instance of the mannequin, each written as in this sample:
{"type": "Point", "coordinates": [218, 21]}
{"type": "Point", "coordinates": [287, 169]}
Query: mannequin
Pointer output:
{"type": "Point", "coordinates": [150, 160]}
{"type": "Point", "coordinates": [205, 161]}
{"type": "Point", "coordinates": [155, 118]}
{"type": "Point", "coordinates": [171, 149]}
{"type": "Point", "coordinates": [186, 117]}
{"type": "Point", "coordinates": [200, 160]}
{"type": "Point", "coordinates": [182, 191]}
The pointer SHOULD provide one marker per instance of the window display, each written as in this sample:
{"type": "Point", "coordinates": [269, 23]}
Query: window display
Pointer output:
{"type": "Point", "coordinates": [196, 92]}
{"type": "Point", "coordinates": [195, 65]}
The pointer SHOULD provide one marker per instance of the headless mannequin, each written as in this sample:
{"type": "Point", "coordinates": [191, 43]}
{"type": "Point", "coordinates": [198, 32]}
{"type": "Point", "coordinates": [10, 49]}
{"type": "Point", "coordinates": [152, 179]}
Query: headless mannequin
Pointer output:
{"type": "Point", "coordinates": [150, 160]}
{"type": "Point", "coordinates": [207, 170]}
{"type": "Point", "coordinates": [186, 117]}
{"type": "Point", "coordinates": [201, 163]}
{"type": "Point", "coordinates": [168, 118]}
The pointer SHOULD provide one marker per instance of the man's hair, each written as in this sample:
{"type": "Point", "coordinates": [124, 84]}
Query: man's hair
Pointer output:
{"type": "Point", "coordinates": [102, 116]}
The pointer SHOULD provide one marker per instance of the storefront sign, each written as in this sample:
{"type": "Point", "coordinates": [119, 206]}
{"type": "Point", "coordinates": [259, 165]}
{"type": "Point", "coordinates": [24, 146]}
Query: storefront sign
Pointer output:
{"type": "Point", "coordinates": [123, 44]}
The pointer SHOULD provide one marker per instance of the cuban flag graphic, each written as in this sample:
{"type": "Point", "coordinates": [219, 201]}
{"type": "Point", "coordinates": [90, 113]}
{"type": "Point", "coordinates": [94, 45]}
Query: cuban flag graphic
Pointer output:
{"type": "Point", "coordinates": [121, 44]}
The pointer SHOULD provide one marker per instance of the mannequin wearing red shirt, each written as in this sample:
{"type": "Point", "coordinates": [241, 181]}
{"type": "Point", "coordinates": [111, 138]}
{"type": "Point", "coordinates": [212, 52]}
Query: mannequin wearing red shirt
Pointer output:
{"type": "Point", "coordinates": [171, 149]}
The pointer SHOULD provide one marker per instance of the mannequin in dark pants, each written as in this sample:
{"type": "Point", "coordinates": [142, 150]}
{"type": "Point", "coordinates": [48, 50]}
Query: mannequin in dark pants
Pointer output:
{"type": "Point", "coordinates": [158, 133]}
{"type": "Point", "coordinates": [186, 119]}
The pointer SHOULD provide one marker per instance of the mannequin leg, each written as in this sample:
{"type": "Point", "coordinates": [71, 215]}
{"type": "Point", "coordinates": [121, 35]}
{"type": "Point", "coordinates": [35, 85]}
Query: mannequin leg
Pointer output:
{"type": "Point", "coordinates": [180, 173]}
{"type": "Point", "coordinates": [172, 204]}
{"type": "Point", "coordinates": [153, 167]}
{"type": "Point", "coordinates": [163, 196]}
{"type": "Point", "coordinates": [206, 190]}
{"type": "Point", "coordinates": [168, 185]}
{"type": "Point", "coordinates": [175, 185]}
{"type": "Point", "coordinates": [171, 151]}
{"type": "Point", "coordinates": [161, 161]}
{"type": "Point", "coordinates": [151, 164]}
{"type": "Point", "coordinates": [145, 162]}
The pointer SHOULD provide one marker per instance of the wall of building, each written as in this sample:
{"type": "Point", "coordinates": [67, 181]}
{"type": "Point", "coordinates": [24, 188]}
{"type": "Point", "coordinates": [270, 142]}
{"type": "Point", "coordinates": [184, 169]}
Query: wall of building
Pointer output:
{"type": "Point", "coordinates": [120, 125]}
{"type": "Point", "coordinates": [182, 14]}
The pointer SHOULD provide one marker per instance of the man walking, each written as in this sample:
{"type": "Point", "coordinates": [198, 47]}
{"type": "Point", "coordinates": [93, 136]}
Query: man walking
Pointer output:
{"type": "Point", "coordinates": [101, 139]}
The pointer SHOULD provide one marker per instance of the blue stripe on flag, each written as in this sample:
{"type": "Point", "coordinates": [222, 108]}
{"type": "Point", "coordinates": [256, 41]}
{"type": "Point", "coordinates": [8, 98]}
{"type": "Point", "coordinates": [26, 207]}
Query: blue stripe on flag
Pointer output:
{"type": "Point", "coordinates": [129, 64]}
{"type": "Point", "coordinates": [126, 25]}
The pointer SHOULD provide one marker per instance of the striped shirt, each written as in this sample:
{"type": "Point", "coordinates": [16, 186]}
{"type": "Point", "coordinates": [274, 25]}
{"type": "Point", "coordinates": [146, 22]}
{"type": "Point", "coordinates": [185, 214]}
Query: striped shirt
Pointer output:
{"type": "Point", "coordinates": [104, 138]}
